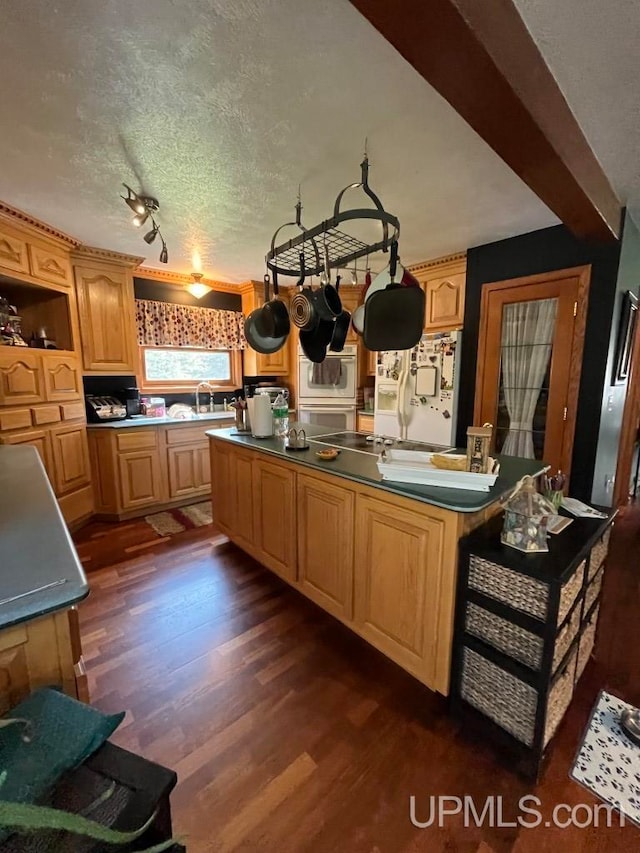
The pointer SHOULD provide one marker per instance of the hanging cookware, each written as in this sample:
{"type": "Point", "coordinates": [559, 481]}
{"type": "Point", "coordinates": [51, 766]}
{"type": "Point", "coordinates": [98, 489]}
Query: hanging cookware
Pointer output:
{"type": "Point", "coordinates": [327, 298]}
{"type": "Point", "coordinates": [303, 310]}
{"type": "Point", "coordinates": [394, 316]}
{"type": "Point", "coordinates": [357, 318]}
{"type": "Point", "coordinates": [256, 332]}
{"type": "Point", "coordinates": [314, 343]}
{"type": "Point", "coordinates": [341, 326]}
{"type": "Point", "coordinates": [275, 317]}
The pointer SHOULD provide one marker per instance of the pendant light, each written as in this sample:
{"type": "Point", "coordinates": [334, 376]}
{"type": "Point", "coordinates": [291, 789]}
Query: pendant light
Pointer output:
{"type": "Point", "coordinates": [196, 287]}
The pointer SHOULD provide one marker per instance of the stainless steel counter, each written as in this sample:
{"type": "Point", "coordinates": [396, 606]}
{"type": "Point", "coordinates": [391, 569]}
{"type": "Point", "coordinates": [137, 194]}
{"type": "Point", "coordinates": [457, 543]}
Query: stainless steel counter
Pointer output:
{"type": "Point", "coordinates": [39, 568]}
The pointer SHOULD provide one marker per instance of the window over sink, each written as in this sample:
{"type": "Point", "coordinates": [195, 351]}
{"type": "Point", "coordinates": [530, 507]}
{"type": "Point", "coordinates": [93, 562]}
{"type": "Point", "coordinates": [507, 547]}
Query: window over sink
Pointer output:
{"type": "Point", "coordinates": [181, 368]}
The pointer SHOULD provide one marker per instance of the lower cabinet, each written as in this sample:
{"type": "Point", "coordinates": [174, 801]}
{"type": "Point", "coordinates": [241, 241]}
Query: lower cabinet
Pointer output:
{"type": "Point", "coordinates": [325, 544]}
{"type": "Point", "coordinates": [188, 473]}
{"type": "Point", "coordinates": [396, 580]}
{"type": "Point", "coordinates": [275, 517]}
{"type": "Point", "coordinates": [39, 438]}
{"type": "Point", "coordinates": [223, 494]}
{"type": "Point", "coordinates": [140, 478]}
{"type": "Point", "coordinates": [242, 487]}
{"type": "Point", "coordinates": [70, 457]}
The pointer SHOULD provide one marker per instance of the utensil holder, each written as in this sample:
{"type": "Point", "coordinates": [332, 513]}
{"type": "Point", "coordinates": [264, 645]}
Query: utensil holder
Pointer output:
{"type": "Point", "coordinates": [242, 420]}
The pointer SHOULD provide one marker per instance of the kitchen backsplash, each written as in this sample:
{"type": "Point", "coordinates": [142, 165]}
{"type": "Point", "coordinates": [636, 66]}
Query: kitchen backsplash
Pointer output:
{"type": "Point", "coordinates": [113, 385]}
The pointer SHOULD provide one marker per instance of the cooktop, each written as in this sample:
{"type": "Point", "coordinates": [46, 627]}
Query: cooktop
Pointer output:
{"type": "Point", "coordinates": [375, 444]}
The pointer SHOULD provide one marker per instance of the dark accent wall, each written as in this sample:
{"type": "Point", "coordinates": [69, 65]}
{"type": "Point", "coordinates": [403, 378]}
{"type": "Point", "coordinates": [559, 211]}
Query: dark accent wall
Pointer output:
{"type": "Point", "coordinates": [161, 291]}
{"type": "Point", "coordinates": [538, 252]}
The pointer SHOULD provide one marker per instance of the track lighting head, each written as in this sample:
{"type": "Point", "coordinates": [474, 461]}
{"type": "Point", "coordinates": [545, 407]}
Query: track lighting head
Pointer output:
{"type": "Point", "coordinates": [164, 254]}
{"type": "Point", "coordinates": [150, 236]}
{"type": "Point", "coordinates": [140, 218]}
{"type": "Point", "coordinates": [144, 206]}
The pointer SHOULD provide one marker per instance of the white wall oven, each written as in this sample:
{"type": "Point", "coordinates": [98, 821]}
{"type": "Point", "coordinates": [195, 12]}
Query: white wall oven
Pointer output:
{"type": "Point", "coordinates": [337, 418]}
{"type": "Point", "coordinates": [335, 379]}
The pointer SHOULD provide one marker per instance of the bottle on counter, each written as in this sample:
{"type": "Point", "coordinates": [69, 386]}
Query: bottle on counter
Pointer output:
{"type": "Point", "coordinates": [280, 416]}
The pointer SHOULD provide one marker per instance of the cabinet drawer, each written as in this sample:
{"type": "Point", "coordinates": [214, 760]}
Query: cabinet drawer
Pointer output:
{"type": "Point", "coordinates": [593, 591]}
{"type": "Point", "coordinates": [15, 419]}
{"type": "Point", "coordinates": [46, 415]}
{"type": "Point", "coordinates": [13, 253]}
{"type": "Point", "coordinates": [72, 411]}
{"type": "Point", "coordinates": [599, 553]}
{"type": "Point", "coordinates": [50, 265]}
{"type": "Point", "coordinates": [136, 439]}
{"type": "Point", "coordinates": [186, 435]}
{"type": "Point", "coordinates": [587, 642]}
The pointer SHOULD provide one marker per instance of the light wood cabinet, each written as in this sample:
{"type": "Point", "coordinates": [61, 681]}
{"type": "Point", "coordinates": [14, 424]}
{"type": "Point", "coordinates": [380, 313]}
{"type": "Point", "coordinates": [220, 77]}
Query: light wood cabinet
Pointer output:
{"type": "Point", "coordinates": [223, 498]}
{"type": "Point", "coordinates": [140, 479]}
{"type": "Point", "coordinates": [107, 318]}
{"type": "Point", "coordinates": [364, 423]}
{"type": "Point", "coordinates": [275, 517]}
{"type": "Point", "coordinates": [62, 377]}
{"type": "Point", "coordinates": [21, 378]}
{"type": "Point", "coordinates": [70, 457]}
{"type": "Point", "coordinates": [242, 485]}
{"type": "Point", "coordinates": [325, 544]}
{"type": "Point", "coordinates": [372, 362]}
{"type": "Point", "coordinates": [50, 265]}
{"type": "Point", "coordinates": [13, 253]}
{"type": "Point", "coordinates": [398, 556]}
{"type": "Point", "coordinates": [255, 363]}
{"type": "Point", "coordinates": [443, 281]}
{"type": "Point", "coordinates": [40, 439]}
{"type": "Point", "coordinates": [188, 473]}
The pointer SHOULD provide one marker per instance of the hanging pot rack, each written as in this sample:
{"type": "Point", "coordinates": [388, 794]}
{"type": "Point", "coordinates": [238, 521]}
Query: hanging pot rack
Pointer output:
{"type": "Point", "coordinates": [342, 248]}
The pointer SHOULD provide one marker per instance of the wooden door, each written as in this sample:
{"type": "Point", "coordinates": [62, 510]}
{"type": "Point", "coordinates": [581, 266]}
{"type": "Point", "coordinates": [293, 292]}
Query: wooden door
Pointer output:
{"type": "Point", "coordinates": [325, 544]}
{"type": "Point", "coordinates": [553, 424]}
{"type": "Point", "coordinates": [630, 430]}
{"type": "Point", "coordinates": [39, 438]}
{"type": "Point", "coordinates": [397, 563]}
{"type": "Point", "coordinates": [372, 362]}
{"type": "Point", "coordinates": [276, 364]}
{"type": "Point", "coordinates": [13, 253]}
{"type": "Point", "coordinates": [50, 265]}
{"type": "Point", "coordinates": [444, 307]}
{"type": "Point", "coordinates": [242, 483]}
{"type": "Point", "coordinates": [203, 466]}
{"type": "Point", "coordinates": [223, 493]}
{"type": "Point", "coordinates": [275, 517]}
{"type": "Point", "coordinates": [70, 457]}
{"type": "Point", "coordinates": [140, 478]}
{"type": "Point", "coordinates": [106, 308]}
{"type": "Point", "coordinates": [62, 377]}
{"type": "Point", "coordinates": [21, 380]}
{"type": "Point", "coordinates": [184, 471]}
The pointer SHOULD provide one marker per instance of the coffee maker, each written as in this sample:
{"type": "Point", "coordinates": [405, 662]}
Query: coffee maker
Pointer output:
{"type": "Point", "coordinates": [131, 399]}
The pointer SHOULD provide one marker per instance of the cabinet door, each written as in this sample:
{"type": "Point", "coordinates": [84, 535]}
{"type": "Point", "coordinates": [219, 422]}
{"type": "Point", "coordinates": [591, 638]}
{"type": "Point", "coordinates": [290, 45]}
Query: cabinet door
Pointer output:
{"type": "Point", "coordinates": [140, 478]}
{"type": "Point", "coordinates": [242, 483]}
{"type": "Point", "coordinates": [397, 564]}
{"type": "Point", "coordinates": [203, 465]}
{"type": "Point", "coordinates": [70, 457]}
{"type": "Point", "coordinates": [275, 516]}
{"type": "Point", "coordinates": [20, 377]}
{"type": "Point", "coordinates": [50, 265]}
{"type": "Point", "coordinates": [276, 364]}
{"type": "Point", "coordinates": [223, 493]}
{"type": "Point", "coordinates": [62, 377]}
{"type": "Point", "coordinates": [13, 253]}
{"type": "Point", "coordinates": [106, 307]}
{"type": "Point", "coordinates": [325, 544]}
{"type": "Point", "coordinates": [39, 438]}
{"type": "Point", "coordinates": [372, 362]}
{"type": "Point", "coordinates": [184, 470]}
{"type": "Point", "coordinates": [445, 302]}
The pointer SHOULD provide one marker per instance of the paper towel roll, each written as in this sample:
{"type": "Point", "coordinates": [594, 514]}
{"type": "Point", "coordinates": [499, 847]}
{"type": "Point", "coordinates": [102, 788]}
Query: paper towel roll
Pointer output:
{"type": "Point", "coordinates": [262, 416]}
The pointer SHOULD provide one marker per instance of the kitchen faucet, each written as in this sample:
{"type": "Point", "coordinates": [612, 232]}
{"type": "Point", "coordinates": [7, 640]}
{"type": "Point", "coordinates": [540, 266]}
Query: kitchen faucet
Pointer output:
{"type": "Point", "coordinates": [209, 387]}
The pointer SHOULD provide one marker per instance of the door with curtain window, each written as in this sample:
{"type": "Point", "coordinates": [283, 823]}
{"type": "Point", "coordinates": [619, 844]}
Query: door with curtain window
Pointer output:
{"type": "Point", "coordinates": [529, 363]}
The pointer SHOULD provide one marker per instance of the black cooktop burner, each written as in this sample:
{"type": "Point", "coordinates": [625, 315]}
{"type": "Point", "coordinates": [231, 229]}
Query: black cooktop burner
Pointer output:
{"type": "Point", "coordinates": [358, 441]}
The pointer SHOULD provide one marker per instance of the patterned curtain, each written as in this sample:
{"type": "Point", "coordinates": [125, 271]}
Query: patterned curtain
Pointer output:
{"type": "Point", "coordinates": [164, 324]}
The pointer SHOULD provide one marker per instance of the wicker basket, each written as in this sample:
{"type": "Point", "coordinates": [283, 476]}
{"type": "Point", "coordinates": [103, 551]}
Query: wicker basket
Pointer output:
{"type": "Point", "coordinates": [559, 697]}
{"type": "Point", "coordinates": [587, 642]}
{"type": "Point", "coordinates": [593, 591]}
{"type": "Point", "coordinates": [505, 636]}
{"type": "Point", "coordinates": [565, 637]}
{"type": "Point", "coordinates": [520, 591]}
{"type": "Point", "coordinates": [505, 699]}
{"type": "Point", "coordinates": [599, 553]}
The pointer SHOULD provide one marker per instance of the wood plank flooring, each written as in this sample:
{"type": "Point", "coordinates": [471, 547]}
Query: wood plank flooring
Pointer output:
{"type": "Point", "coordinates": [288, 732]}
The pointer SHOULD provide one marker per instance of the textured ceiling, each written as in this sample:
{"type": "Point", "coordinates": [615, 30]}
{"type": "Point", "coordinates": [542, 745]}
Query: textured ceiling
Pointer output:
{"type": "Point", "coordinates": [591, 47]}
{"type": "Point", "coordinates": [221, 108]}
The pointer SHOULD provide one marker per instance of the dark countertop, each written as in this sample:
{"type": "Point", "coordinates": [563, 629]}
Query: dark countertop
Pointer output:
{"type": "Point", "coordinates": [34, 542]}
{"type": "Point", "coordinates": [362, 468]}
{"type": "Point", "coordinates": [142, 421]}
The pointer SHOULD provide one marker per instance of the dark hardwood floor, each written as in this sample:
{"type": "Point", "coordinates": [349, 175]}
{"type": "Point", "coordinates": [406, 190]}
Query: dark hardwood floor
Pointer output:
{"type": "Point", "coordinates": [288, 732]}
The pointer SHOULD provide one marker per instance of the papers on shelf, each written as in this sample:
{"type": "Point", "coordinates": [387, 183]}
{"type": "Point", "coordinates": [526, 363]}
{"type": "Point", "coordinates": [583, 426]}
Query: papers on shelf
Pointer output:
{"type": "Point", "coordinates": [581, 510]}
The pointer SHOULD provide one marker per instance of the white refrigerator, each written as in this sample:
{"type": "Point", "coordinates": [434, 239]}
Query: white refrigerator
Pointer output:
{"type": "Point", "coordinates": [416, 393]}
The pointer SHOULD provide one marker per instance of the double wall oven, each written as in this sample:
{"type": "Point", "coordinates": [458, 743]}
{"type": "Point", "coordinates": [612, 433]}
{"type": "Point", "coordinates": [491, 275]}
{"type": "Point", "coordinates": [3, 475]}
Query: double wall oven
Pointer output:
{"type": "Point", "coordinates": [327, 392]}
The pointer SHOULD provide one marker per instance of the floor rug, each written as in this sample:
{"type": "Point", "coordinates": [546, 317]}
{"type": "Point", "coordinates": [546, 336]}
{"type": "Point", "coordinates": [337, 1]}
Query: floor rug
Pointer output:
{"type": "Point", "coordinates": [182, 518]}
{"type": "Point", "coordinates": [608, 763]}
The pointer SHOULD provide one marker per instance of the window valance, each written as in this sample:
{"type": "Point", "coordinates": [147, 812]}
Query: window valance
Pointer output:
{"type": "Point", "coordinates": [169, 325]}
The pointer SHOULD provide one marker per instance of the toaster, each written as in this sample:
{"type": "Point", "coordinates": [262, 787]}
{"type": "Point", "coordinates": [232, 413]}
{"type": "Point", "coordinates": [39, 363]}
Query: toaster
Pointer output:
{"type": "Point", "coordinates": [101, 408]}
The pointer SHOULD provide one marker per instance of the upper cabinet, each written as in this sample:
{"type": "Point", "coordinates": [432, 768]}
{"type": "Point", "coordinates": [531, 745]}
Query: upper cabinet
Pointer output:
{"type": "Point", "coordinates": [255, 363]}
{"type": "Point", "coordinates": [106, 309]}
{"type": "Point", "coordinates": [13, 252]}
{"type": "Point", "coordinates": [443, 281]}
{"type": "Point", "coordinates": [50, 265]}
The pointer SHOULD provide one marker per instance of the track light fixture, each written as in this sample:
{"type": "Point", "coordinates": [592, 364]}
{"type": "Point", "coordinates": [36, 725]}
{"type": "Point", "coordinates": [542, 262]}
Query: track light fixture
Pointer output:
{"type": "Point", "coordinates": [144, 206]}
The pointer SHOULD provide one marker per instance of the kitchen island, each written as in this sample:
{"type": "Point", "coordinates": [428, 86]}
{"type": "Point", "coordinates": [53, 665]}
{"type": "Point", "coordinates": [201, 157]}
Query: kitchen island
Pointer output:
{"type": "Point", "coordinates": [40, 580]}
{"type": "Point", "coordinates": [379, 556]}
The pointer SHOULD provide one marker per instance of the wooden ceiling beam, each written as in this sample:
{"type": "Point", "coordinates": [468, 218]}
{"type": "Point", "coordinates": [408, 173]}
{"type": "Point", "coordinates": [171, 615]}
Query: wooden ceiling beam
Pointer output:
{"type": "Point", "coordinates": [479, 55]}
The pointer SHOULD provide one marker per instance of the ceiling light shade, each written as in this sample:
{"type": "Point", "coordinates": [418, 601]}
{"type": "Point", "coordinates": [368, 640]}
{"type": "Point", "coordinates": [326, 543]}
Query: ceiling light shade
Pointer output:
{"type": "Point", "coordinates": [164, 254]}
{"type": "Point", "coordinates": [140, 218]}
{"type": "Point", "coordinates": [196, 287]}
{"type": "Point", "coordinates": [150, 236]}
{"type": "Point", "coordinates": [134, 201]}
